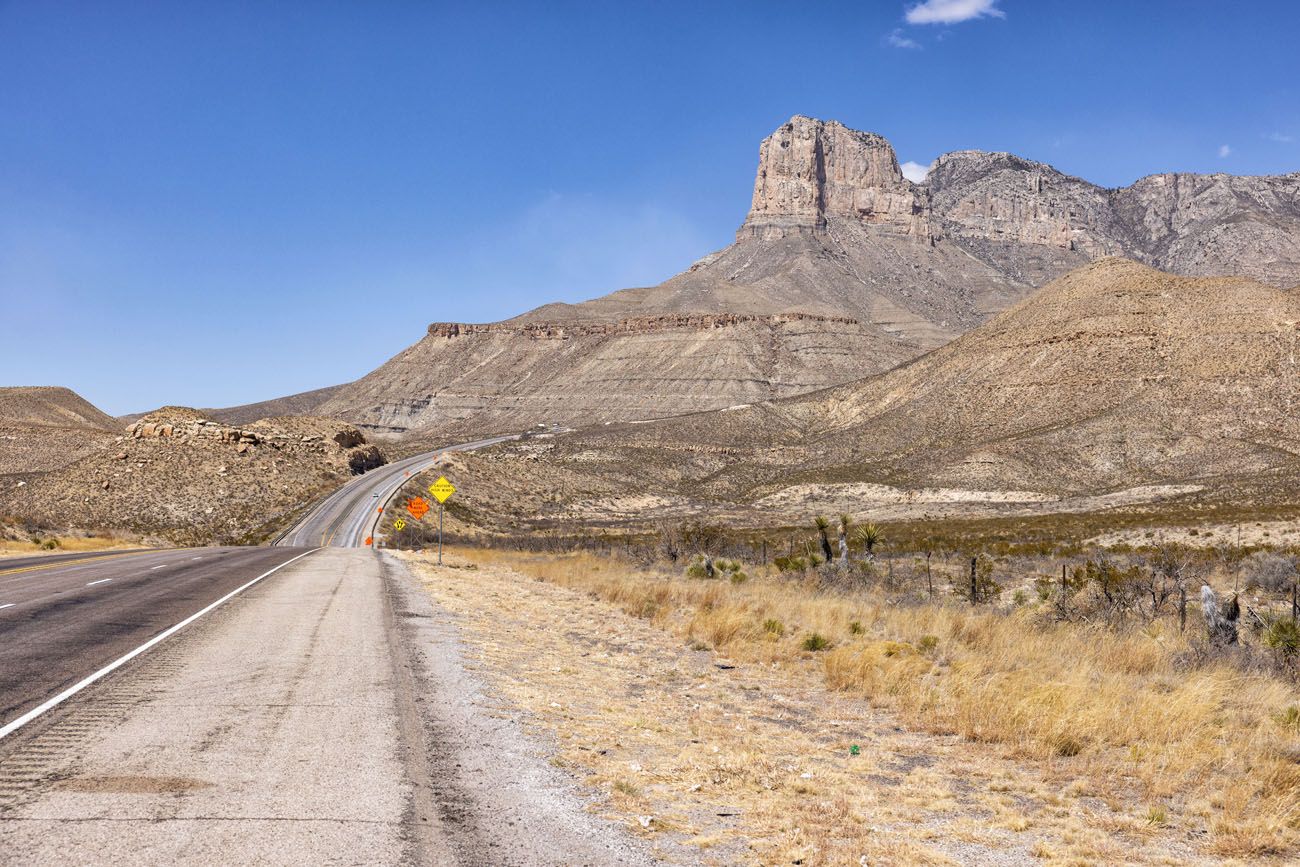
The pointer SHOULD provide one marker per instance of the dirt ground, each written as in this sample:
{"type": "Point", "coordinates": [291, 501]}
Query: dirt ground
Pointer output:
{"type": "Point", "coordinates": [716, 762]}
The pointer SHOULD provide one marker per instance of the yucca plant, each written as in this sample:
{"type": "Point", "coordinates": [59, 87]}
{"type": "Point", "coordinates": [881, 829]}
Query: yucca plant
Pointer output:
{"type": "Point", "coordinates": [871, 535]}
{"type": "Point", "coordinates": [823, 532]}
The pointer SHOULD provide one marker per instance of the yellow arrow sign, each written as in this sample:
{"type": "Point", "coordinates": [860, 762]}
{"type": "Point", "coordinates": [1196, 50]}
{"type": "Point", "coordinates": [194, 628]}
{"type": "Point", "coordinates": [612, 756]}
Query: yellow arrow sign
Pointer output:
{"type": "Point", "coordinates": [399, 524]}
{"type": "Point", "coordinates": [442, 489]}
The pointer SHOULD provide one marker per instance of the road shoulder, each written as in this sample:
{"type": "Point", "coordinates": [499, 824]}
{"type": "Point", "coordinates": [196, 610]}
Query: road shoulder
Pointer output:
{"type": "Point", "coordinates": [497, 798]}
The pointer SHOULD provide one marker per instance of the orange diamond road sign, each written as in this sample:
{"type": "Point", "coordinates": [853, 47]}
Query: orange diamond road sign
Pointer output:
{"type": "Point", "coordinates": [418, 506]}
{"type": "Point", "coordinates": [442, 489]}
{"type": "Point", "coordinates": [370, 540]}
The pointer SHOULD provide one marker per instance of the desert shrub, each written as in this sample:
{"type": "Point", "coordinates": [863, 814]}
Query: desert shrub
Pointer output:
{"type": "Point", "coordinates": [773, 626]}
{"type": "Point", "coordinates": [1281, 635]}
{"type": "Point", "coordinates": [704, 566]}
{"type": "Point", "coordinates": [927, 643]}
{"type": "Point", "coordinates": [815, 641]}
{"type": "Point", "coordinates": [791, 564]}
{"type": "Point", "coordinates": [855, 627]}
{"type": "Point", "coordinates": [984, 589]}
{"type": "Point", "coordinates": [1270, 570]}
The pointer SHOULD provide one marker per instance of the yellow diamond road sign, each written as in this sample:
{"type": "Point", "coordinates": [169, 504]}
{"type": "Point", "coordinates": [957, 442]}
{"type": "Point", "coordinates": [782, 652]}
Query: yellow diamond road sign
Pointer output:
{"type": "Point", "coordinates": [399, 524]}
{"type": "Point", "coordinates": [442, 489]}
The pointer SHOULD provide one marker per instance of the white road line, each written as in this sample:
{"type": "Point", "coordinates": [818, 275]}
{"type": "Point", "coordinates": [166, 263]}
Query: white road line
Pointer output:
{"type": "Point", "coordinates": [196, 558]}
{"type": "Point", "coordinates": [159, 566]}
{"type": "Point", "coordinates": [11, 727]}
{"type": "Point", "coordinates": [8, 605]}
{"type": "Point", "coordinates": [100, 581]}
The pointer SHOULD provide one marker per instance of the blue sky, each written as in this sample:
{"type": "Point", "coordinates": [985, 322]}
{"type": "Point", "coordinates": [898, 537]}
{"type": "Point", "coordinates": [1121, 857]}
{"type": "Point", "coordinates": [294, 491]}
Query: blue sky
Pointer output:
{"type": "Point", "coordinates": [211, 204]}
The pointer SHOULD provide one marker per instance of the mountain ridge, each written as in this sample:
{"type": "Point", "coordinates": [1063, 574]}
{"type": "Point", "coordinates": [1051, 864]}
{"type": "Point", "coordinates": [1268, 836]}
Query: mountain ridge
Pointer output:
{"type": "Point", "coordinates": [836, 231]}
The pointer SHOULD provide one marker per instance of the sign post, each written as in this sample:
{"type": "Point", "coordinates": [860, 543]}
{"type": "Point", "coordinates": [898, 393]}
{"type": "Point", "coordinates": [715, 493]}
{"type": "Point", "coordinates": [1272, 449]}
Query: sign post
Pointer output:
{"type": "Point", "coordinates": [442, 491]}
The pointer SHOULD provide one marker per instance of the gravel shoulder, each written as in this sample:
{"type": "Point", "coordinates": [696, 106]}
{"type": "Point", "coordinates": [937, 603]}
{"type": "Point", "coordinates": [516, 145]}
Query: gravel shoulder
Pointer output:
{"type": "Point", "coordinates": [714, 761]}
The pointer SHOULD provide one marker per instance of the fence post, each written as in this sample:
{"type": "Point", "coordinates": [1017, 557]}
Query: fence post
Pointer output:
{"type": "Point", "coordinates": [974, 587]}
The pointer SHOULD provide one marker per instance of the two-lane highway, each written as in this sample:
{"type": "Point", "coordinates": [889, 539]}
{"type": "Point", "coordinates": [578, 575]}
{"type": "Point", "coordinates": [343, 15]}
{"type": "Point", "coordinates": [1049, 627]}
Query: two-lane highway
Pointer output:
{"type": "Point", "coordinates": [62, 620]}
{"type": "Point", "coordinates": [350, 514]}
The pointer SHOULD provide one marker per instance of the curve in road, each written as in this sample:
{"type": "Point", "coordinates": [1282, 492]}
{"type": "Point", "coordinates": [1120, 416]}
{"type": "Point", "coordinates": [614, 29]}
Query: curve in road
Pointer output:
{"type": "Point", "coordinates": [345, 518]}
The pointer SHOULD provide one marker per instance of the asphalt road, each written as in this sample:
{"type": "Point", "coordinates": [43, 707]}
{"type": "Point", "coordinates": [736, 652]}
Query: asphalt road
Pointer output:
{"type": "Point", "coordinates": [64, 618]}
{"type": "Point", "coordinates": [345, 518]}
{"type": "Point", "coordinates": [321, 716]}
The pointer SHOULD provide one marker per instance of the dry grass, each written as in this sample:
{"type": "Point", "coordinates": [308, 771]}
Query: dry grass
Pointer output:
{"type": "Point", "coordinates": [47, 544]}
{"type": "Point", "coordinates": [1200, 748]}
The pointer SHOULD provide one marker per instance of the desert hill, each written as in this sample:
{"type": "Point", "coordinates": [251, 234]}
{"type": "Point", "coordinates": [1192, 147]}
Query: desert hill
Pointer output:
{"type": "Point", "coordinates": [303, 403]}
{"type": "Point", "coordinates": [834, 233]}
{"type": "Point", "coordinates": [177, 475]}
{"type": "Point", "coordinates": [44, 427]}
{"type": "Point", "coordinates": [1113, 378]}
{"type": "Point", "coordinates": [51, 406]}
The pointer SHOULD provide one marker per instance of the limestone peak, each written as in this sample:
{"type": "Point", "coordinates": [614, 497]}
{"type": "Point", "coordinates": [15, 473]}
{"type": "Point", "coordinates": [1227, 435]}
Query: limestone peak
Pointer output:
{"type": "Point", "coordinates": [813, 171]}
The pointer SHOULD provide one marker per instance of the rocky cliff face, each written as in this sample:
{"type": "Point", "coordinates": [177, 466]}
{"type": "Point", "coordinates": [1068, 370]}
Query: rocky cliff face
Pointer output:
{"type": "Point", "coordinates": [1009, 211]}
{"type": "Point", "coordinates": [1207, 225]}
{"type": "Point", "coordinates": [810, 171]}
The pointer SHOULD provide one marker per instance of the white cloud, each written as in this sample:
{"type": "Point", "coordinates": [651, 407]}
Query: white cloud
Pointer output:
{"type": "Point", "coordinates": [952, 11]}
{"type": "Point", "coordinates": [1224, 151]}
{"type": "Point", "coordinates": [898, 40]}
{"type": "Point", "coordinates": [1280, 137]}
{"type": "Point", "coordinates": [914, 172]}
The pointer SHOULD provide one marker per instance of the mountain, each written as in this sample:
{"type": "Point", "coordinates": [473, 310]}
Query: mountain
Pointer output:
{"type": "Point", "coordinates": [44, 427]}
{"type": "Point", "coordinates": [1116, 377]}
{"type": "Point", "coordinates": [879, 270]}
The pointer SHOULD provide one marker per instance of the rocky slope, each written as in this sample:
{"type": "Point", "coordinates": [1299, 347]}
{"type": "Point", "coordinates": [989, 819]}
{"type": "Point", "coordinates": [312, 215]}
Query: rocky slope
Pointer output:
{"type": "Point", "coordinates": [834, 230]}
{"type": "Point", "coordinates": [45, 427]}
{"type": "Point", "coordinates": [1033, 222]}
{"type": "Point", "coordinates": [177, 475]}
{"type": "Point", "coordinates": [1114, 379]}
{"type": "Point", "coordinates": [470, 379]}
